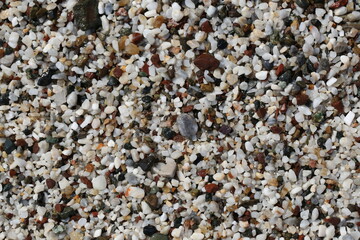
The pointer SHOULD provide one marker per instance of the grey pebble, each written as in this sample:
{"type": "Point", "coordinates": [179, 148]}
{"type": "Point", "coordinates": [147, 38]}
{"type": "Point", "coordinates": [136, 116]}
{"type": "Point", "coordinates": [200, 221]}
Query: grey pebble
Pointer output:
{"type": "Point", "coordinates": [187, 126]}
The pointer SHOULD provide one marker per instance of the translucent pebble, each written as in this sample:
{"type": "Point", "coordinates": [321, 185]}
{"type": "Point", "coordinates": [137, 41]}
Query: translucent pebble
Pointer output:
{"type": "Point", "coordinates": [187, 126]}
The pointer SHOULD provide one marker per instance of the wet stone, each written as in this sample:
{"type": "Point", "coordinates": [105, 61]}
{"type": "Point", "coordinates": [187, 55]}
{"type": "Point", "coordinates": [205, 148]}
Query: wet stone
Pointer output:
{"type": "Point", "coordinates": [303, 3]}
{"type": "Point", "coordinates": [86, 15]}
{"type": "Point", "coordinates": [187, 126]}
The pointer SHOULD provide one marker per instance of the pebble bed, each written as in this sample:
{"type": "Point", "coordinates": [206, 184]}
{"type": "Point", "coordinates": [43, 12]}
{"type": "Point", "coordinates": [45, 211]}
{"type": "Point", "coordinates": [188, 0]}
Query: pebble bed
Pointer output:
{"type": "Point", "coordinates": [180, 119]}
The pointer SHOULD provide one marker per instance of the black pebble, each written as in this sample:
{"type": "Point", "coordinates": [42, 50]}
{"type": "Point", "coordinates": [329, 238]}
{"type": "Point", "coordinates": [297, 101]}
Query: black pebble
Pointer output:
{"type": "Point", "coordinates": [4, 99]}
{"type": "Point", "coordinates": [286, 76]}
{"type": "Point", "coordinates": [149, 230]}
{"type": "Point", "coordinates": [128, 146]}
{"type": "Point", "coordinates": [268, 65]}
{"type": "Point", "coordinates": [301, 59]}
{"type": "Point", "coordinates": [225, 129]}
{"type": "Point", "coordinates": [45, 78]}
{"type": "Point", "coordinates": [146, 99]}
{"type": "Point", "coordinates": [288, 150]}
{"type": "Point", "coordinates": [146, 163]}
{"type": "Point", "coordinates": [9, 146]}
{"type": "Point", "coordinates": [316, 23]}
{"type": "Point", "coordinates": [222, 44]}
{"type": "Point", "coordinates": [41, 199]}
{"type": "Point", "coordinates": [168, 133]}
{"type": "Point", "coordinates": [177, 222]}
{"type": "Point", "coordinates": [113, 82]}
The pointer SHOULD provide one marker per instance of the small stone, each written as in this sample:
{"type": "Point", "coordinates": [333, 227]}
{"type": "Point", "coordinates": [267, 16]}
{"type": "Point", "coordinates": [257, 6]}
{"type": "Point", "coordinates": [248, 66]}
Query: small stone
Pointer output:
{"type": "Point", "coordinates": [262, 75]}
{"type": "Point", "coordinates": [113, 82]}
{"type": "Point", "coordinates": [9, 146]}
{"type": "Point", "coordinates": [206, 27]}
{"type": "Point", "coordinates": [225, 129]}
{"type": "Point", "coordinates": [219, 176]}
{"type": "Point", "coordinates": [132, 179]}
{"type": "Point", "coordinates": [152, 200]}
{"type": "Point", "coordinates": [159, 20]}
{"type": "Point", "coordinates": [333, 220]}
{"type": "Point", "coordinates": [149, 230]}
{"type": "Point", "coordinates": [222, 44]}
{"type": "Point", "coordinates": [46, 78]}
{"type": "Point", "coordinates": [67, 213]}
{"type": "Point", "coordinates": [132, 49]}
{"type": "Point", "coordinates": [50, 183]}
{"type": "Point", "coordinates": [340, 47]}
{"type": "Point", "coordinates": [206, 61]}
{"type": "Point", "coordinates": [286, 76]}
{"type": "Point", "coordinates": [349, 118]}
{"type": "Point", "coordinates": [86, 15]}
{"type": "Point", "coordinates": [159, 236]}
{"type": "Point", "coordinates": [197, 236]}
{"type": "Point", "coordinates": [147, 163]}
{"type": "Point", "coordinates": [207, 87]}
{"type": "Point", "coordinates": [13, 39]}
{"type": "Point", "coordinates": [302, 3]}
{"type": "Point", "coordinates": [155, 59]}
{"type": "Point", "coordinates": [168, 169]}
{"type": "Point", "coordinates": [99, 183]}
{"type": "Point", "coordinates": [187, 126]}
{"type": "Point", "coordinates": [211, 188]}
{"type": "Point", "coordinates": [135, 192]}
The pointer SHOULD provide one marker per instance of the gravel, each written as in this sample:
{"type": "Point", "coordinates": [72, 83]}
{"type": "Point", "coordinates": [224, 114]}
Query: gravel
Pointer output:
{"type": "Point", "coordinates": [179, 119]}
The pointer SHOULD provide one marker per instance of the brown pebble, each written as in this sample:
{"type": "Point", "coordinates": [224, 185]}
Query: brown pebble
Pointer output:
{"type": "Point", "coordinates": [152, 200]}
{"type": "Point", "coordinates": [12, 172]}
{"type": "Point", "coordinates": [136, 38]}
{"type": "Point", "coordinates": [155, 59]}
{"type": "Point", "coordinates": [89, 167]}
{"type": "Point", "coordinates": [159, 20]}
{"type": "Point", "coordinates": [276, 129]}
{"type": "Point", "coordinates": [21, 143]}
{"type": "Point", "coordinates": [206, 27]}
{"type": "Point", "coordinates": [59, 207]}
{"type": "Point", "coordinates": [211, 188]}
{"type": "Point", "coordinates": [261, 112]}
{"type": "Point", "coordinates": [302, 99]}
{"type": "Point", "coordinates": [50, 183]}
{"type": "Point", "coordinates": [206, 61]}
{"type": "Point", "coordinates": [117, 72]}
{"type": "Point", "coordinates": [333, 220]}
{"type": "Point", "coordinates": [187, 108]}
{"type": "Point", "coordinates": [35, 147]}
{"type": "Point", "coordinates": [207, 87]}
{"type": "Point", "coordinates": [86, 181]}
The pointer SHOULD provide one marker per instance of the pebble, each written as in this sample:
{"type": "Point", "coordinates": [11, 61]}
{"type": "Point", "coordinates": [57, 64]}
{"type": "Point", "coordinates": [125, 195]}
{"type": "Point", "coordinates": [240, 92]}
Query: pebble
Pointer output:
{"type": "Point", "coordinates": [219, 176]}
{"type": "Point", "coordinates": [9, 146]}
{"type": "Point", "coordinates": [197, 236]}
{"type": "Point", "coordinates": [159, 236]}
{"type": "Point", "coordinates": [187, 126]}
{"type": "Point", "coordinates": [99, 183]}
{"type": "Point", "coordinates": [149, 230]}
{"type": "Point", "coordinates": [168, 169]}
{"type": "Point", "coordinates": [146, 163]}
{"type": "Point", "coordinates": [262, 75]}
{"type": "Point", "coordinates": [340, 11]}
{"type": "Point", "coordinates": [136, 192]}
{"type": "Point", "coordinates": [349, 118]}
{"type": "Point", "coordinates": [86, 15]}
{"type": "Point", "coordinates": [176, 13]}
{"type": "Point", "coordinates": [13, 39]}
{"type": "Point", "coordinates": [206, 61]}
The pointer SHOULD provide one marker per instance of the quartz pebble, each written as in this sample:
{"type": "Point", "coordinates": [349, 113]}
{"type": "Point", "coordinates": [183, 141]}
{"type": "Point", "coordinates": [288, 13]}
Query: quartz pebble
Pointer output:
{"type": "Point", "coordinates": [187, 126]}
{"type": "Point", "coordinates": [99, 183]}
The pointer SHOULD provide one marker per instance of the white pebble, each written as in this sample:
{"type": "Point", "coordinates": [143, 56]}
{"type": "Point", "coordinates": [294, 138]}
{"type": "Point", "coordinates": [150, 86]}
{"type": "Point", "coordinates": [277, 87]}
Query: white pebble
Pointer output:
{"type": "Point", "coordinates": [136, 192]}
{"type": "Point", "coordinates": [197, 236]}
{"type": "Point", "coordinates": [349, 118]}
{"type": "Point", "coordinates": [13, 39]}
{"type": "Point", "coordinates": [99, 182]}
{"type": "Point", "coordinates": [219, 176]}
{"type": "Point", "coordinates": [262, 75]}
{"type": "Point", "coordinates": [249, 147]}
